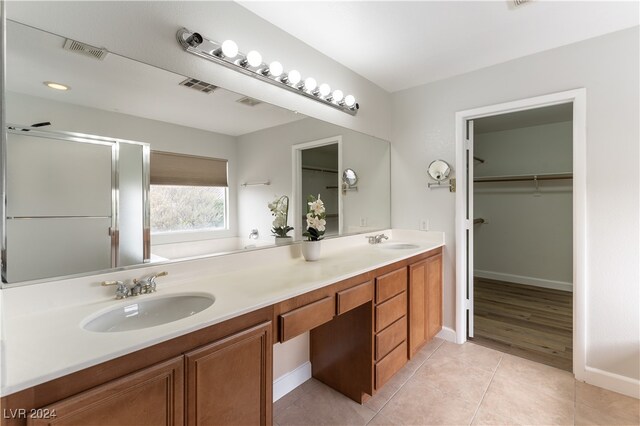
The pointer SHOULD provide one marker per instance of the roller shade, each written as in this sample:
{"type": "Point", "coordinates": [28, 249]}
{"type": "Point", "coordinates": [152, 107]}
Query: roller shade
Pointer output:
{"type": "Point", "coordinates": [168, 168]}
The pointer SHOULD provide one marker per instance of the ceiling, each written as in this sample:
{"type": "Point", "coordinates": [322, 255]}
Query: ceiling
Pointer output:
{"type": "Point", "coordinates": [126, 86]}
{"type": "Point", "coordinates": [402, 44]}
{"type": "Point", "coordinates": [527, 118]}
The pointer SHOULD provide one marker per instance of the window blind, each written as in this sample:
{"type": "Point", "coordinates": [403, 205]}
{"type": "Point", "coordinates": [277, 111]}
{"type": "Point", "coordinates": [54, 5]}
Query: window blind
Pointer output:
{"type": "Point", "coordinates": [168, 168]}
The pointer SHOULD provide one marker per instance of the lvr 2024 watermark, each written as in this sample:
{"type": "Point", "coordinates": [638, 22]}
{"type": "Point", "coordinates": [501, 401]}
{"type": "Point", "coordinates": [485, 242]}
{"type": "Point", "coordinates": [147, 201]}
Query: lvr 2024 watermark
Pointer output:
{"type": "Point", "coordinates": [23, 413]}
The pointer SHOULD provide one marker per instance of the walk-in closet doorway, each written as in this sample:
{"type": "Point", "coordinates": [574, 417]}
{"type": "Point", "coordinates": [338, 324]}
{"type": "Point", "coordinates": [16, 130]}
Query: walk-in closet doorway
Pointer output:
{"type": "Point", "coordinates": [520, 237]}
{"type": "Point", "coordinates": [522, 234]}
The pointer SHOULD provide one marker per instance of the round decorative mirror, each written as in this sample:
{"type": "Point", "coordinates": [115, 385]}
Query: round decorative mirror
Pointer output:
{"type": "Point", "coordinates": [349, 177]}
{"type": "Point", "coordinates": [439, 170]}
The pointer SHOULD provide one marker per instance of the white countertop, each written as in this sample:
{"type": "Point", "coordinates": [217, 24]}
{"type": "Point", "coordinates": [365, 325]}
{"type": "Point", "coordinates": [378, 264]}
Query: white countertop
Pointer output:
{"type": "Point", "coordinates": [47, 341]}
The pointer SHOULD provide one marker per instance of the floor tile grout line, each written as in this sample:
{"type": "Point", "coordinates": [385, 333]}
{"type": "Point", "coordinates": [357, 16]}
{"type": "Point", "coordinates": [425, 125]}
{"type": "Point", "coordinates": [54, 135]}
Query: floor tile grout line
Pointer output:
{"type": "Point", "coordinates": [408, 378]}
{"type": "Point", "coordinates": [486, 390]}
{"type": "Point", "coordinates": [525, 383]}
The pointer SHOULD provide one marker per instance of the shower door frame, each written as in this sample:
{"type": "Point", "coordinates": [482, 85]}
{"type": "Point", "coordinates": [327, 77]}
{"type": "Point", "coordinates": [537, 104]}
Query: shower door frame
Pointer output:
{"type": "Point", "coordinates": [463, 223]}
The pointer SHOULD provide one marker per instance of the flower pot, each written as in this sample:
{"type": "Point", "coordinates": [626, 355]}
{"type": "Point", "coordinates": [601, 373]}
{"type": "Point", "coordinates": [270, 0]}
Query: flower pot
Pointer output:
{"type": "Point", "coordinates": [311, 250]}
{"type": "Point", "coordinates": [283, 241]}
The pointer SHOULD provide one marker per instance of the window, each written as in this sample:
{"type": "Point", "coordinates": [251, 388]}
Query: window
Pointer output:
{"type": "Point", "coordinates": [187, 208]}
{"type": "Point", "coordinates": [187, 193]}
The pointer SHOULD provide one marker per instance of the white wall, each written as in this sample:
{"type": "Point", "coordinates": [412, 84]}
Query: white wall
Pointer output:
{"type": "Point", "coordinates": [26, 110]}
{"type": "Point", "coordinates": [266, 155]}
{"type": "Point", "coordinates": [146, 31]}
{"type": "Point", "coordinates": [607, 66]}
{"type": "Point", "coordinates": [527, 236]}
{"type": "Point", "coordinates": [545, 148]}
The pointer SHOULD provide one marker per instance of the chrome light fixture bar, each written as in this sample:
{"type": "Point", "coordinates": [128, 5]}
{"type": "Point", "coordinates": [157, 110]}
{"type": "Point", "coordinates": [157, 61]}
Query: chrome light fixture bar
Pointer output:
{"type": "Point", "coordinates": [251, 64]}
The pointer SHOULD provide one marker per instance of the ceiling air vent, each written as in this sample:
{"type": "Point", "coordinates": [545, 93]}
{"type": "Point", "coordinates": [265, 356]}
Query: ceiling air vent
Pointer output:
{"type": "Point", "coordinates": [199, 85]}
{"type": "Point", "coordinates": [85, 49]}
{"type": "Point", "coordinates": [520, 2]}
{"type": "Point", "coordinates": [249, 101]}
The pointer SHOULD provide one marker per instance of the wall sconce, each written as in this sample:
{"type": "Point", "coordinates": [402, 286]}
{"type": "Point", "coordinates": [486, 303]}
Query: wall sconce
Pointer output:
{"type": "Point", "coordinates": [251, 64]}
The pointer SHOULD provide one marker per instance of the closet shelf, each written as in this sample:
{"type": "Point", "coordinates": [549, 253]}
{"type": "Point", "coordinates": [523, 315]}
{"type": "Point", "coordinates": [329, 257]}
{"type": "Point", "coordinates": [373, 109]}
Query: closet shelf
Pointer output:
{"type": "Point", "coordinates": [524, 178]}
{"type": "Point", "coordinates": [319, 169]}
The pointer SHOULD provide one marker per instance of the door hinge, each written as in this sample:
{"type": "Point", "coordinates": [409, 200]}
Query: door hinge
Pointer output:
{"type": "Point", "coordinates": [468, 304]}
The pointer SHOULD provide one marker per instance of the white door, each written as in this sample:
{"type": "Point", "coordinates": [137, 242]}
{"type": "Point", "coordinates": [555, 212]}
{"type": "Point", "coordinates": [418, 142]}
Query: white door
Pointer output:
{"type": "Point", "coordinates": [469, 225]}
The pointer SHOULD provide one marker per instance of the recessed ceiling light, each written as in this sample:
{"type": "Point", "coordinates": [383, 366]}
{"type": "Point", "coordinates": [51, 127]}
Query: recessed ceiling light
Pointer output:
{"type": "Point", "coordinates": [56, 86]}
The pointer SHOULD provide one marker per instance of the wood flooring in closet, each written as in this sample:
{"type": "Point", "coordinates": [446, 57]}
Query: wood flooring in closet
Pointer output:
{"type": "Point", "coordinates": [530, 322]}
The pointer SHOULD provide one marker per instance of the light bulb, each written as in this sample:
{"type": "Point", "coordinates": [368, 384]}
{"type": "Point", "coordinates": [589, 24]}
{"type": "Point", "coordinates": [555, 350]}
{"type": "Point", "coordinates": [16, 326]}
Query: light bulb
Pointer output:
{"type": "Point", "coordinates": [56, 86]}
{"type": "Point", "coordinates": [310, 84]}
{"type": "Point", "coordinates": [275, 68]}
{"type": "Point", "coordinates": [229, 49]}
{"type": "Point", "coordinates": [324, 89]}
{"type": "Point", "coordinates": [349, 101]}
{"type": "Point", "coordinates": [254, 58]}
{"type": "Point", "coordinates": [338, 95]}
{"type": "Point", "coordinates": [294, 77]}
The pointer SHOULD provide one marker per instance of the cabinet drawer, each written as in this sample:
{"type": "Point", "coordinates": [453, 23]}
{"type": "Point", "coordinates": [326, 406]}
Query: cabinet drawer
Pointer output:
{"type": "Point", "coordinates": [355, 296]}
{"type": "Point", "coordinates": [390, 364]}
{"type": "Point", "coordinates": [390, 311]}
{"type": "Point", "coordinates": [391, 284]}
{"type": "Point", "coordinates": [391, 337]}
{"type": "Point", "coordinates": [306, 317]}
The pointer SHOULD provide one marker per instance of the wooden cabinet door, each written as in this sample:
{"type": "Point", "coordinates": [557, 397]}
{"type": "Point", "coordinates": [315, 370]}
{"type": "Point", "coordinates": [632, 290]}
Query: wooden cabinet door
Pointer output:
{"type": "Point", "coordinates": [434, 295]}
{"type": "Point", "coordinates": [418, 305]}
{"type": "Point", "coordinates": [229, 382]}
{"type": "Point", "coordinates": [152, 396]}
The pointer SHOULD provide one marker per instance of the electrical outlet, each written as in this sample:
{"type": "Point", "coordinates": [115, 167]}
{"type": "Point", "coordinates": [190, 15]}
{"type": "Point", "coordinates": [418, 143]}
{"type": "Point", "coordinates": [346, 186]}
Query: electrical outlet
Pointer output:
{"type": "Point", "coordinates": [424, 225]}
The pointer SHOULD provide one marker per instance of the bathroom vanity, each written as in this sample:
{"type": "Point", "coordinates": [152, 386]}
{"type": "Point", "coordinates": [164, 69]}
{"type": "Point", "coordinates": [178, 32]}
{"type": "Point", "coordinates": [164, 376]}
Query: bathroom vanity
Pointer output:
{"type": "Point", "coordinates": [364, 323]}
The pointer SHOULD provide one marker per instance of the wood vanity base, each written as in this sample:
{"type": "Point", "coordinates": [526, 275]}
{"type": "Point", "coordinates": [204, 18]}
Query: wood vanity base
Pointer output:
{"type": "Point", "coordinates": [363, 330]}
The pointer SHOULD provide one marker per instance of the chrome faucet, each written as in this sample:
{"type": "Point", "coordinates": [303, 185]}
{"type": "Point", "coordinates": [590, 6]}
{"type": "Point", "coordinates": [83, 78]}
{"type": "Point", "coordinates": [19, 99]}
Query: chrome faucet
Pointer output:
{"type": "Point", "coordinates": [122, 290]}
{"type": "Point", "coordinates": [376, 239]}
{"type": "Point", "coordinates": [380, 237]}
{"type": "Point", "coordinates": [139, 286]}
{"type": "Point", "coordinates": [148, 284]}
{"type": "Point", "coordinates": [254, 234]}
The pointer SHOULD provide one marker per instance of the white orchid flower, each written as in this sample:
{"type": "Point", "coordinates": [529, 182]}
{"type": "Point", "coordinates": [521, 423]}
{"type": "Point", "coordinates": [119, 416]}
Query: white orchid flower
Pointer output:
{"type": "Point", "coordinates": [316, 206]}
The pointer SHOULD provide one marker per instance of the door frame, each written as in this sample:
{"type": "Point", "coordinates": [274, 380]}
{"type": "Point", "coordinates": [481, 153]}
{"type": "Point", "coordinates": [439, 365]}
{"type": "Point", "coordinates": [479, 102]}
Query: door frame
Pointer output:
{"type": "Point", "coordinates": [296, 190]}
{"type": "Point", "coordinates": [580, 278]}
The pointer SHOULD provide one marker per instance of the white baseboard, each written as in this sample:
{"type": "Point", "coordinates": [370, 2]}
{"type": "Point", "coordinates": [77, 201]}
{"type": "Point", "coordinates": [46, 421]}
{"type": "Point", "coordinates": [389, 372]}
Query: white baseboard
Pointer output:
{"type": "Point", "coordinates": [447, 334]}
{"type": "Point", "coordinates": [611, 381]}
{"type": "Point", "coordinates": [520, 279]}
{"type": "Point", "coordinates": [291, 380]}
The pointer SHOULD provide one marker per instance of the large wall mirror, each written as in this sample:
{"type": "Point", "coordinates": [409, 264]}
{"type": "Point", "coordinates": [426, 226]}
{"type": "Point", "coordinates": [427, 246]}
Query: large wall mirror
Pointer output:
{"type": "Point", "coordinates": [134, 164]}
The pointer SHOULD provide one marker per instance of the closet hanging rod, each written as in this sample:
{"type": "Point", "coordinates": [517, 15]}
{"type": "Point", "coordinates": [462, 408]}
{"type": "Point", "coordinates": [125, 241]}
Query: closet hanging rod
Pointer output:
{"type": "Point", "coordinates": [478, 159]}
{"type": "Point", "coordinates": [319, 169]}
{"type": "Point", "coordinates": [524, 178]}
{"type": "Point", "coordinates": [478, 220]}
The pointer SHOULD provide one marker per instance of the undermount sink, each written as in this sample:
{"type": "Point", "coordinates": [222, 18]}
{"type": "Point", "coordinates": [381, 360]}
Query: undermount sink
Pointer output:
{"type": "Point", "coordinates": [144, 313]}
{"type": "Point", "coordinates": [398, 246]}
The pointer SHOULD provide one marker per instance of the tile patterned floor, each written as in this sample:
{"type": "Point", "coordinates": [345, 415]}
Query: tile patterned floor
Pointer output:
{"type": "Point", "coordinates": [448, 384]}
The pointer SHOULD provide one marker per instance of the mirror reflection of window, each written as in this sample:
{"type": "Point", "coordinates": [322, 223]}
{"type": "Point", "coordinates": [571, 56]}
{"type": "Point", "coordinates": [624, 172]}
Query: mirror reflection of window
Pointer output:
{"type": "Point", "coordinates": [187, 193]}
{"type": "Point", "coordinates": [176, 208]}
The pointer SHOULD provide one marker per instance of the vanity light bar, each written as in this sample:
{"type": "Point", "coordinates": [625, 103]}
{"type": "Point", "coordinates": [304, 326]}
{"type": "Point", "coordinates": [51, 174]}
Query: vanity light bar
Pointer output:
{"type": "Point", "coordinates": [251, 64]}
